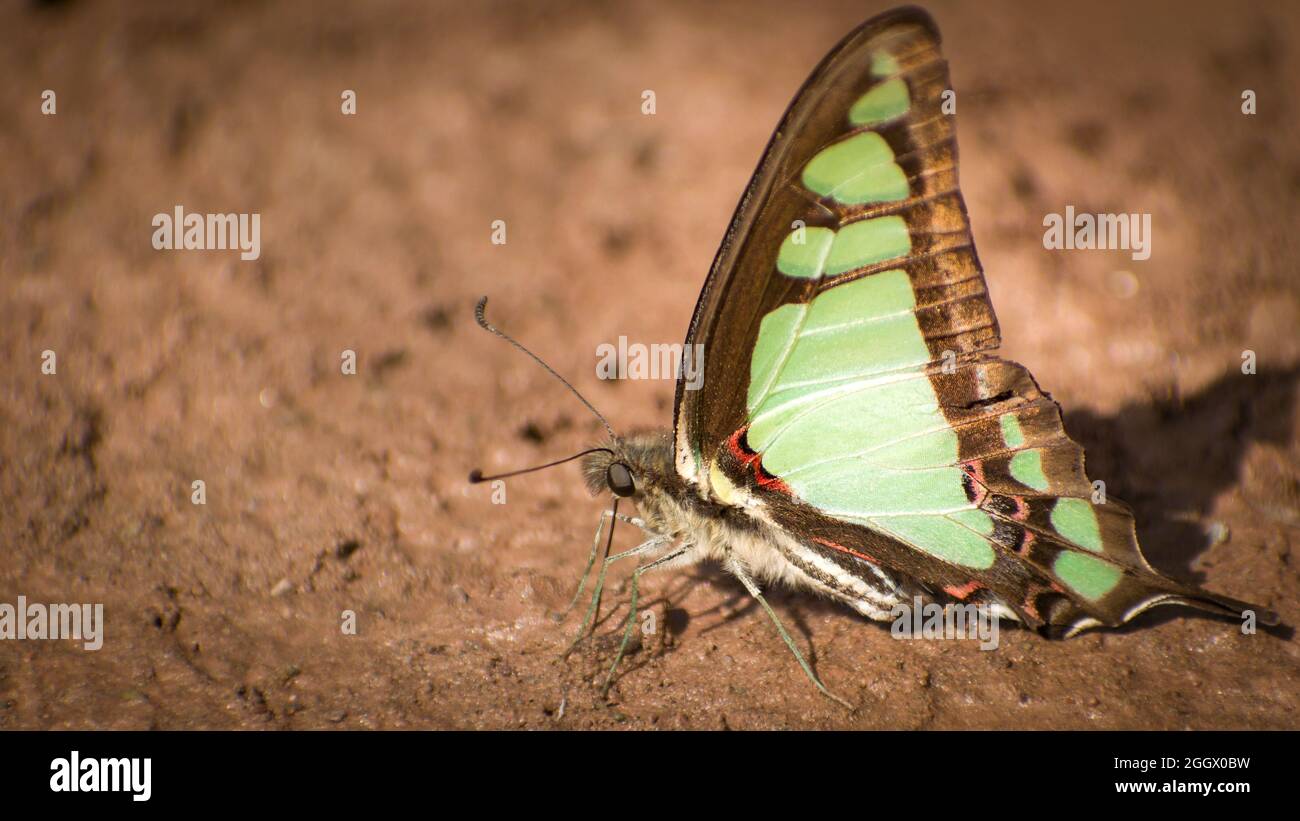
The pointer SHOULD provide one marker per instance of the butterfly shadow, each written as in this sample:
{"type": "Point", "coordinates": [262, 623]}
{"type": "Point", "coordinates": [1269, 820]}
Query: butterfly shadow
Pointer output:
{"type": "Point", "coordinates": [1171, 457]}
{"type": "Point", "coordinates": [793, 607]}
{"type": "Point", "coordinates": [676, 618]}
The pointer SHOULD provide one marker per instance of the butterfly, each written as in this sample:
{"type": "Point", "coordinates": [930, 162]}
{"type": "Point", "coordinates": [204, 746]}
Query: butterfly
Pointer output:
{"type": "Point", "coordinates": [857, 435]}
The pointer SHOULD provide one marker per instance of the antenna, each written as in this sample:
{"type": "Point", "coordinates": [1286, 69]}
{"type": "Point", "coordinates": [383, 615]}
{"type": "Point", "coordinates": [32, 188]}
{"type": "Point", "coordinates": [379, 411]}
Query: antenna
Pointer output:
{"type": "Point", "coordinates": [485, 325]}
{"type": "Point", "coordinates": [476, 475]}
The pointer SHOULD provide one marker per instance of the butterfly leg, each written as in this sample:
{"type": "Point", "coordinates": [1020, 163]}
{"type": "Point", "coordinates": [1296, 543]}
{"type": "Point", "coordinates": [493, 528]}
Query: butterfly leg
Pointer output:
{"type": "Point", "coordinates": [631, 615]}
{"type": "Point", "coordinates": [636, 521]}
{"type": "Point", "coordinates": [645, 547]}
{"type": "Point", "coordinates": [591, 558]}
{"type": "Point", "coordinates": [741, 573]}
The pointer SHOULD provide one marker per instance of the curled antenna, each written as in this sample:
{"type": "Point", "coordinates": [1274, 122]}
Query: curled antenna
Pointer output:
{"type": "Point", "coordinates": [487, 326]}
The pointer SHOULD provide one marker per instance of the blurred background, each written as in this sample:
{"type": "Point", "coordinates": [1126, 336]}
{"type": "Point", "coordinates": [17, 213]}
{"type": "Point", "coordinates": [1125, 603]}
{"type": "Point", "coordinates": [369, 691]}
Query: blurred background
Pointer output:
{"type": "Point", "coordinates": [329, 492]}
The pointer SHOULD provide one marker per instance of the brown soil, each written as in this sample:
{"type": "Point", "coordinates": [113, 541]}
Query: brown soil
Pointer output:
{"type": "Point", "coordinates": [328, 492]}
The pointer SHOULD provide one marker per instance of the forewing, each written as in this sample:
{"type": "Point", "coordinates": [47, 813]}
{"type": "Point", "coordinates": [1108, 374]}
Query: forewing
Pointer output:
{"type": "Point", "coordinates": [780, 220]}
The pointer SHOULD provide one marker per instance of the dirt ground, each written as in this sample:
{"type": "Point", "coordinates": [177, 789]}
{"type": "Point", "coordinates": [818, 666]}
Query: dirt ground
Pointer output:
{"type": "Point", "coordinates": [328, 492]}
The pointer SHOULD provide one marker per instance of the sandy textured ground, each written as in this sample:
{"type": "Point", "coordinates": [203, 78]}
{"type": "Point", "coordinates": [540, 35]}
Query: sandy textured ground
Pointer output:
{"type": "Point", "coordinates": [328, 492]}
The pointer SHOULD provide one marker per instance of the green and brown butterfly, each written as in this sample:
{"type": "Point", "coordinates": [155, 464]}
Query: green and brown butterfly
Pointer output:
{"type": "Point", "coordinates": [874, 449]}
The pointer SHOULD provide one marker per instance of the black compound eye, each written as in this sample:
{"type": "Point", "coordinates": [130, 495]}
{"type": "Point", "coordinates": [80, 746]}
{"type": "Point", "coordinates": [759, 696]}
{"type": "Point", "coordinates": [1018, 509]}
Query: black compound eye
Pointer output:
{"type": "Point", "coordinates": [619, 479]}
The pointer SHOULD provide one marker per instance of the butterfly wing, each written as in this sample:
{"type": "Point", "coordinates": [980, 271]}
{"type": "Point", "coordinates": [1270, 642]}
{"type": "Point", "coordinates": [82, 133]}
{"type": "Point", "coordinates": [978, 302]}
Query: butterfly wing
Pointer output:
{"type": "Point", "coordinates": [872, 424]}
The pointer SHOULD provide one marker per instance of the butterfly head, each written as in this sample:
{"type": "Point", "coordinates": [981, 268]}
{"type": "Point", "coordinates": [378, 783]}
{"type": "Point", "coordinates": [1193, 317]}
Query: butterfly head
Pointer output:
{"type": "Point", "coordinates": [629, 466]}
{"type": "Point", "coordinates": [626, 466]}
{"type": "Point", "coordinates": [607, 469]}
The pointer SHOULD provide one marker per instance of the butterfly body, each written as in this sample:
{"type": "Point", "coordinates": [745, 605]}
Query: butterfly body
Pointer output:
{"type": "Point", "coordinates": [732, 532]}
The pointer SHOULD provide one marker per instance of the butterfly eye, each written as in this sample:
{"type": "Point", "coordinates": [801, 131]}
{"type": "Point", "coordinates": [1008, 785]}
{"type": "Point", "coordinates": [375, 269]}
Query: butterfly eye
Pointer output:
{"type": "Point", "coordinates": [619, 479]}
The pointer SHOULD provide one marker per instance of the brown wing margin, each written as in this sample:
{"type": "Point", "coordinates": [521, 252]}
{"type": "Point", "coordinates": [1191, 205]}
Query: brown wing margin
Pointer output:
{"type": "Point", "coordinates": [742, 285]}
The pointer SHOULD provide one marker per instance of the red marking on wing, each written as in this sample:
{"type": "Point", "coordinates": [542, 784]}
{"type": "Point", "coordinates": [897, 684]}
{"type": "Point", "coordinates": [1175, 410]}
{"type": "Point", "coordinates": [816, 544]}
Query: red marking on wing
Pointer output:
{"type": "Point", "coordinates": [754, 461]}
{"type": "Point", "coordinates": [1027, 543]}
{"type": "Point", "coordinates": [975, 470]}
{"type": "Point", "coordinates": [855, 553]}
{"type": "Point", "coordinates": [1022, 509]}
{"type": "Point", "coordinates": [737, 450]}
{"type": "Point", "coordinates": [964, 590]}
{"type": "Point", "coordinates": [1029, 605]}
{"type": "Point", "coordinates": [771, 482]}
